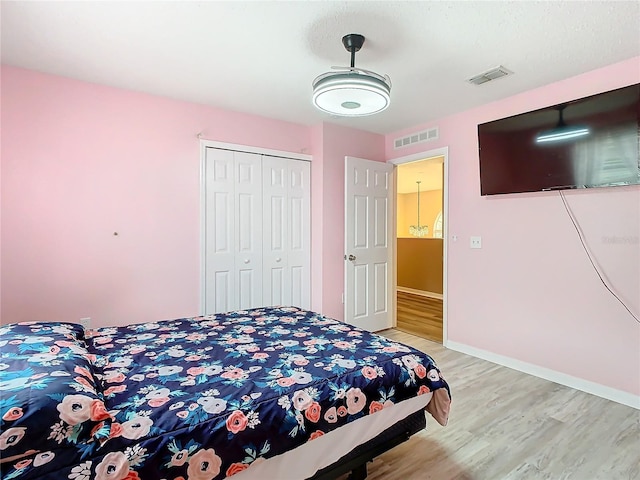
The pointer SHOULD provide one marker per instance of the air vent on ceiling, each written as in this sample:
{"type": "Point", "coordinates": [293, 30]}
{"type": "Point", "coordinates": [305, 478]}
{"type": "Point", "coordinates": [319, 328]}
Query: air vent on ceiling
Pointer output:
{"type": "Point", "coordinates": [419, 137]}
{"type": "Point", "coordinates": [489, 75]}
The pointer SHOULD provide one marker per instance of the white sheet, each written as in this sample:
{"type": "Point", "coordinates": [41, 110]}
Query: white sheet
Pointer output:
{"type": "Point", "coordinates": [307, 459]}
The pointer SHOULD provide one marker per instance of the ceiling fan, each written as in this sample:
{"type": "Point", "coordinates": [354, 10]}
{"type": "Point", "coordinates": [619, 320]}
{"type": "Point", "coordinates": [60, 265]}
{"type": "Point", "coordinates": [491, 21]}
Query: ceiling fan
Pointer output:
{"type": "Point", "coordinates": [352, 91]}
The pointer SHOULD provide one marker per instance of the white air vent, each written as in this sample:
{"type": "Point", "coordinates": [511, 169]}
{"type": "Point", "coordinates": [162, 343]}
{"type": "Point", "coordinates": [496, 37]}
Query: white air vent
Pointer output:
{"type": "Point", "coordinates": [419, 137]}
{"type": "Point", "coordinates": [492, 74]}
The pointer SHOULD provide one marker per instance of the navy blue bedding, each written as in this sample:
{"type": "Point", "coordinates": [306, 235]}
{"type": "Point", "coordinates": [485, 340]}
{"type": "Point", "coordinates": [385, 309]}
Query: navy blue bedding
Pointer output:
{"type": "Point", "coordinates": [196, 398]}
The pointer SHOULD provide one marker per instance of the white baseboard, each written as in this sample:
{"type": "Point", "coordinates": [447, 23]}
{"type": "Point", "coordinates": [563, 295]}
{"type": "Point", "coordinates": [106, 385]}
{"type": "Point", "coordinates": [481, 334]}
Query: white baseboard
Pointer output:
{"type": "Point", "coordinates": [422, 293]}
{"type": "Point", "coordinates": [593, 388]}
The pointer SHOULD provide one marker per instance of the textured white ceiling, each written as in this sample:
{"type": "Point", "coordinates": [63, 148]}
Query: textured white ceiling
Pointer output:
{"type": "Point", "coordinates": [261, 57]}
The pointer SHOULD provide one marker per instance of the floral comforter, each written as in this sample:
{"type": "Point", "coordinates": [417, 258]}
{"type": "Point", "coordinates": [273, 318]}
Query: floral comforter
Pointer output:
{"type": "Point", "coordinates": [195, 398]}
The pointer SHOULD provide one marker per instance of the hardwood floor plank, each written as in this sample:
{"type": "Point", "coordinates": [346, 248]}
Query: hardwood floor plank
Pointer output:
{"type": "Point", "coordinates": [507, 425]}
{"type": "Point", "coordinates": [421, 316]}
{"type": "Point", "coordinates": [527, 471]}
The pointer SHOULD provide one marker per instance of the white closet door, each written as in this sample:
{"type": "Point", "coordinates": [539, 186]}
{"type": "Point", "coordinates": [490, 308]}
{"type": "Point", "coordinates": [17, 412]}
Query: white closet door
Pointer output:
{"type": "Point", "coordinates": [277, 281]}
{"type": "Point", "coordinates": [286, 248]}
{"type": "Point", "coordinates": [257, 231]}
{"type": "Point", "coordinates": [299, 228]}
{"type": "Point", "coordinates": [233, 231]}
{"type": "Point", "coordinates": [248, 223]}
{"type": "Point", "coordinates": [220, 275]}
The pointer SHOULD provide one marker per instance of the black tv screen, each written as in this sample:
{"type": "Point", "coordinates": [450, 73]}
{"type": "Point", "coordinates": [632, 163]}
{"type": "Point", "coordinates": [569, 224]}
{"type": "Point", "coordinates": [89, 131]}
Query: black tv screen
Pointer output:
{"type": "Point", "coordinates": [589, 142]}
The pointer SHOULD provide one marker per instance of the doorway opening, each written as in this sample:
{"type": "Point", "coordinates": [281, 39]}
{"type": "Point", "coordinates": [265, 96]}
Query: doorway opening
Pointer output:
{"type": "Point", "coordinates": [421, 221]}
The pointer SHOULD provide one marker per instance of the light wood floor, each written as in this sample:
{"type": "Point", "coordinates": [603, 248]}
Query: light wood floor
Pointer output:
{"type": "Point", "coordinates": [507, 425]}
{"type": "Point", "coordinates": [421, 316]}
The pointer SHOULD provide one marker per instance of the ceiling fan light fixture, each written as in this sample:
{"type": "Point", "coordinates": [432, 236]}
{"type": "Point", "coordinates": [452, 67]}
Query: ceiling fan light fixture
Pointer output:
{"type": "Point", "coordinates": [351, 91]}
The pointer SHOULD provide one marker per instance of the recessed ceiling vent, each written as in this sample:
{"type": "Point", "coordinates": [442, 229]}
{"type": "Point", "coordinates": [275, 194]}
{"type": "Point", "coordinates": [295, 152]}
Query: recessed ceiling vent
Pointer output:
{"type": "Point", "coordinates": [489, 75]}
{"type": "Point", "coordinates": [419, 137]}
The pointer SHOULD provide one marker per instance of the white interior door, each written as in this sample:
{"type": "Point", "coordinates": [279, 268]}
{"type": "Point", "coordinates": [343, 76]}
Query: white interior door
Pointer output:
{"type": "Point", "coordinates": [368, 246]}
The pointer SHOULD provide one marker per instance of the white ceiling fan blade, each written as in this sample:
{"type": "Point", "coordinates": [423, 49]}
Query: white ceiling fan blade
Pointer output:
{"type": "Point", "coordinates": [356, 69]}
{"type": "Point", "coordinates": [384, 77]}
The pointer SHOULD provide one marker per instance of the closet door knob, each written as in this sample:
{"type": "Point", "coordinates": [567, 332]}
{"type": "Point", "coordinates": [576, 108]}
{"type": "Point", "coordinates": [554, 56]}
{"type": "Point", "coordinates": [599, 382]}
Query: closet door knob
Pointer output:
{"type": "Point", "coordinates": [278, 259]}
{"type": "Point", "coordinates": [246, 260]}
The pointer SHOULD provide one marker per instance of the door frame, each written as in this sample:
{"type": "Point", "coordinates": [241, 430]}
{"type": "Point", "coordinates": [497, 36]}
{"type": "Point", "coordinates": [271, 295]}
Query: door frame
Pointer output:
{"type": "Point", "coordinates": [425, 155]}
{"type": "Point", "coordinates": [204, 144]}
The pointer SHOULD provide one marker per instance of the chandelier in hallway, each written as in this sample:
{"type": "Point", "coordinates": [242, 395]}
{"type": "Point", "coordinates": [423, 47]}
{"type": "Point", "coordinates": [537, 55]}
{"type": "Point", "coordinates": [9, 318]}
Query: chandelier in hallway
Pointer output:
{"type": "Point", "coordinates": [418, 230]}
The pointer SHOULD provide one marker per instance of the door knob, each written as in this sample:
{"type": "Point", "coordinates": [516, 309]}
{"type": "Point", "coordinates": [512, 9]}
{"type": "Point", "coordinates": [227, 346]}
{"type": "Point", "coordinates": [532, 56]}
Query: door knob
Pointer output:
{"type": "Point", "coordinates": [278, 259]}
{"type": "Point", "coordinates": [246, 260]}
{"type": "Point", "coordinates": [352, 257]}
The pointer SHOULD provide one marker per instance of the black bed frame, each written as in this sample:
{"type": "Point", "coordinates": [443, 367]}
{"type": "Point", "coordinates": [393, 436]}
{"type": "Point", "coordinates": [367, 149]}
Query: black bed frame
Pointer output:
{"type": "Point", "coordinates": [356, 460]}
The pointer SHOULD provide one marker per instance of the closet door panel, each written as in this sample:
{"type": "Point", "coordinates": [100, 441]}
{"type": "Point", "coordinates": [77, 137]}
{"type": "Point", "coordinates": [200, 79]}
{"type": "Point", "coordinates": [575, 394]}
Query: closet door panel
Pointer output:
{"type": "Point", "coordinates": [220, 276]}
{"type": "Point", "coordinates": [223, 295]}
{"type": "Point", "coordinates": [299, 286]}
{"type": "Point", "coordinates": [248, 233]}
{"type": "Point", "coordinates": [299, 233]}
{"type": "Point", "coordinates": [248, 294]}
{"type": "Point", "coordinates": [277, 287]}
{"type": "Point", "coordinates": [274, 249]}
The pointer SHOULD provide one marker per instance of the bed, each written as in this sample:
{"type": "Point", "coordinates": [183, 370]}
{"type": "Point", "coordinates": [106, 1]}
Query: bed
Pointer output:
{"type": "Point", "coordinates": [264, 393]}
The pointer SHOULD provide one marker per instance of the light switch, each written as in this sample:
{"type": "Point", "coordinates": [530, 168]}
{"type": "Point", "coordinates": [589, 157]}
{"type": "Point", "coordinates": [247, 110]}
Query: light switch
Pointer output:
{"type": "Point", "coordinates": [476, 242]}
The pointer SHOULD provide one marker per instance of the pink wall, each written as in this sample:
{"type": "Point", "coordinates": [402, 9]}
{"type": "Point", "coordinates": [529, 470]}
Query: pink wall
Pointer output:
{"type": "Point", "coordinates": [338, 142]}
{"type": "Point", "coordinates": [82, 161]}
{"type": "Point", "coordinates": [530, 293]}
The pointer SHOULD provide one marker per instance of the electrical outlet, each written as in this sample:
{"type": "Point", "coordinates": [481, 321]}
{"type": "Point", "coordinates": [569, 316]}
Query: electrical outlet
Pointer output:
{"type": "Point", "coordinates": [476, 242]}
{"type": "Point", "coordinates": [85, 322]}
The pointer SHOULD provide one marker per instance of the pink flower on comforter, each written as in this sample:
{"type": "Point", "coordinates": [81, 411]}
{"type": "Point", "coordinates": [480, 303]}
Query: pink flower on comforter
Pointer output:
{"type": "Point", "coordinates": [114, 466]}
{"type": "Point", "coordinates": [237, 422]}
{"type": "Point", "coordinates": [75, 409]}
{"type": "Point", "coordinates": [204, 465]}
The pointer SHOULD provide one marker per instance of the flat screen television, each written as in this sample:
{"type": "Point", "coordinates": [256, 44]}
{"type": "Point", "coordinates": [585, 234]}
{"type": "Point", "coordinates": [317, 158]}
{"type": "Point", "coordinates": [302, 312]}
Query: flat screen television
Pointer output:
{"type": "Point", "coordinates": [589, 142]}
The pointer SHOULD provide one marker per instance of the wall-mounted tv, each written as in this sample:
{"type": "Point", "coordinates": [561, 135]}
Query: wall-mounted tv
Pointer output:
{"type": "Point", "coordinates": [589, 142]}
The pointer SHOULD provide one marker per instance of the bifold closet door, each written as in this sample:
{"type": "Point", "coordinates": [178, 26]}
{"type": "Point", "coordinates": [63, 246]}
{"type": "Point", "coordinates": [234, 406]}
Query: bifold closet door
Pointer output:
{"type": "Point", "coordinates": [233, 230]}
{"type": "Point", "coordinates": [286, 228]}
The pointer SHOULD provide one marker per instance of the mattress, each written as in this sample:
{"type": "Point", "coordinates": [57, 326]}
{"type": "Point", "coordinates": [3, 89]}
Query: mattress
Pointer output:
{"type": "Point", "coordinates": [306, 460]}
